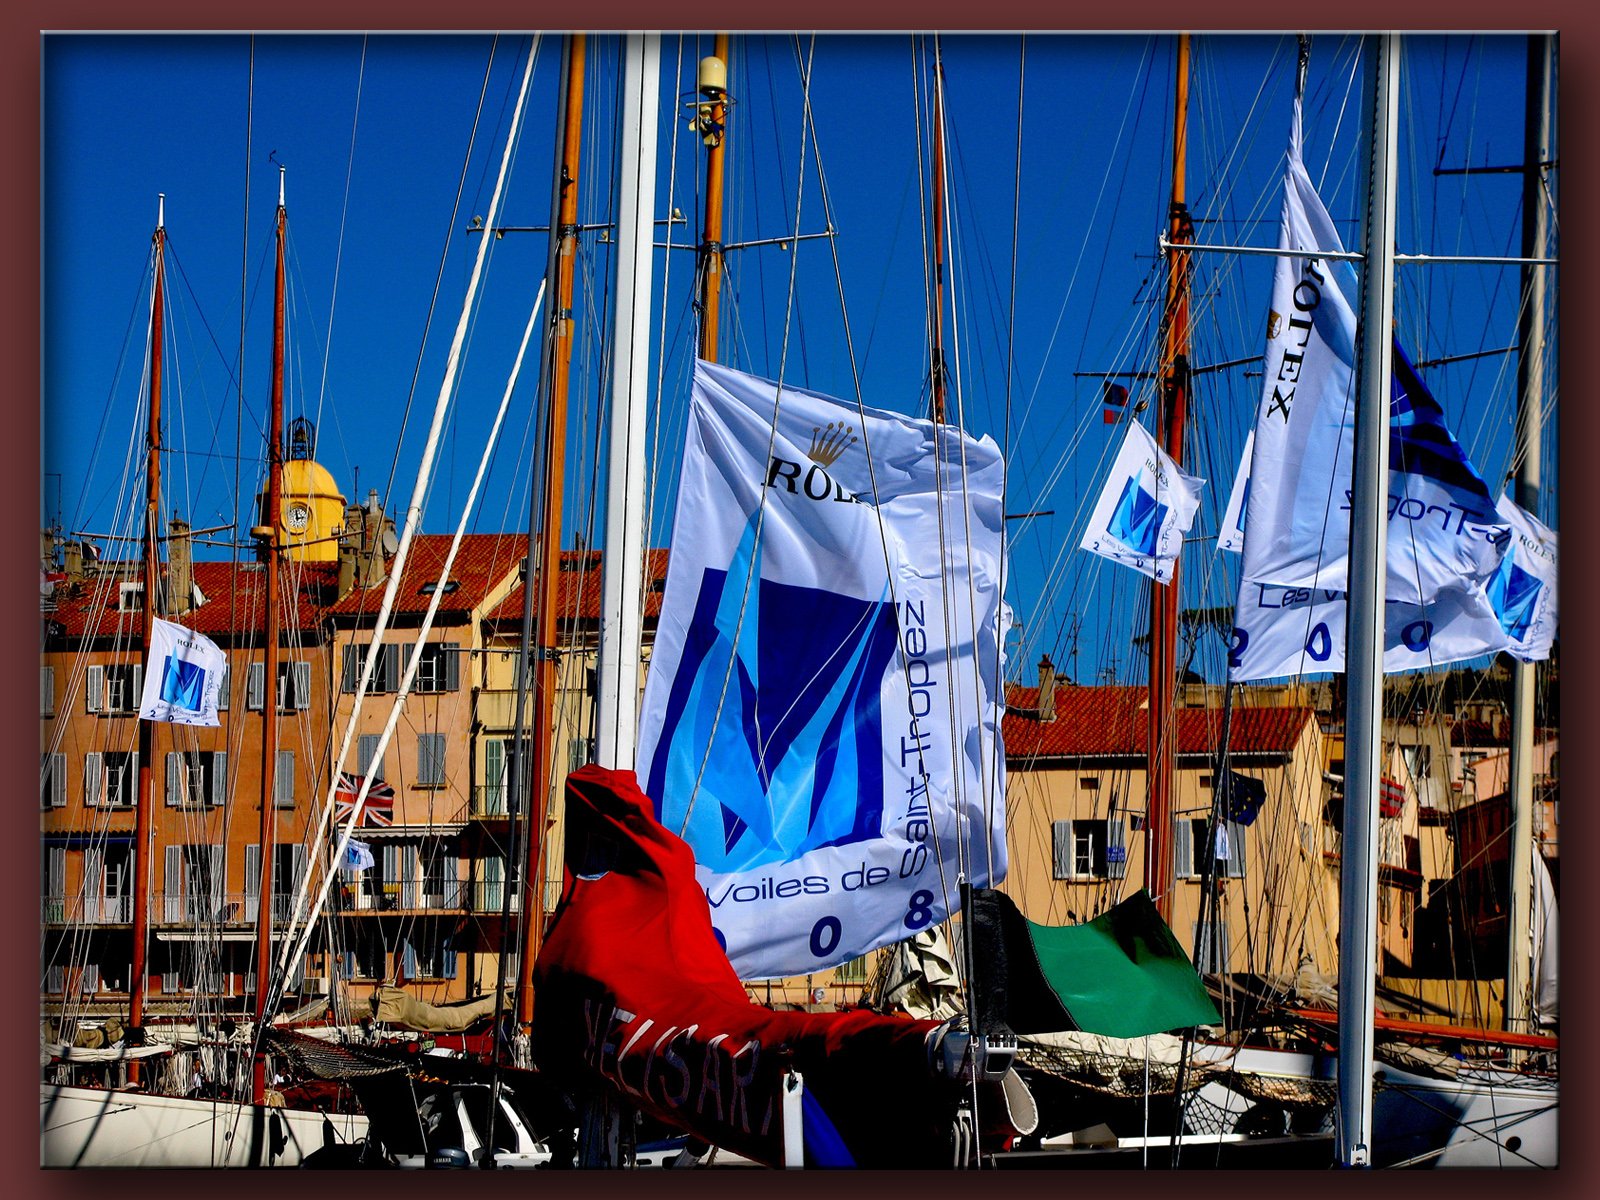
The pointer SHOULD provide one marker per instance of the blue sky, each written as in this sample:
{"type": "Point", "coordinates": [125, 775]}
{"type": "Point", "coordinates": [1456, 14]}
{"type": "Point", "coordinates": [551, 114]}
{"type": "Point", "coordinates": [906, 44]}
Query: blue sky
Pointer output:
{"type": "Point", "coordinates": [378, 134]}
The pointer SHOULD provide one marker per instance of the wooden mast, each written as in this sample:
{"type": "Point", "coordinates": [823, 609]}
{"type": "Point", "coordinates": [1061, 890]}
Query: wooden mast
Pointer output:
{"type": "Point", "coordinates": [548, 577]}
{"type": "Point", "coordinates": [1162, 733]}
{"type": "Point", "coordinates": [936, 303]}
{"type": "Point", "coordinates": [713, 118]}
{"type": "Point", "coordinates": [142, 814]}
{"type": "Point", "coordinates": [269, 669]}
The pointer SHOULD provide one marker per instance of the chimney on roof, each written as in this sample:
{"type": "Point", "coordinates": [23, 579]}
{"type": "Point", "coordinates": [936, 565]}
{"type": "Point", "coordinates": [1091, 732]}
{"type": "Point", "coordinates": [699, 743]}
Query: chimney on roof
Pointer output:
{"type": "Point", "coordinates": [1047, 689]}
{"type": "Point", "coordinates": [362, 545]}
{"type": "Point", "coordinates": [180, 568]}
{"type": "Point", "coordinates": [72, 560]}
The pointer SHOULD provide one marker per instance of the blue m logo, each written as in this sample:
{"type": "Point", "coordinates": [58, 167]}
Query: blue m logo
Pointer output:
{"type": "Point", "coordinates": [183, 683]}
{"type": "Point", "coordinates": [1515, 596]}
{"type": "Point", "coordinates": [1137, 520]}
{"type": "Point", "coordinates": [773, 723]}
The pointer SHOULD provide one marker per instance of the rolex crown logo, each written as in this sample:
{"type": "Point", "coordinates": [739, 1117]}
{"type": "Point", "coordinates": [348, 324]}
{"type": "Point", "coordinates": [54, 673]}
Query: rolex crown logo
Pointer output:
{"type": "Point", "coordinates": [829, 442]}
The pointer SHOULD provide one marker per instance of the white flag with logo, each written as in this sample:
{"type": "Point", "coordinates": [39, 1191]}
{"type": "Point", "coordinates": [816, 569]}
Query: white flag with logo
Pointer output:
{"type": "Point", "coordinates": [1523, 591]}
{"type": "Point", "coordinates": [1230, 536]}
{"type": "Point", "coordinates": [821, 721]}
{"type": "Point", "coordinates": [1443, 530]}
{"type": "Point", "coordinates": [1146, 507]}
{"type": "Point", "coordinates": [357, 857]}
{"type": "Point", "coordinates": [183, 677]}
{"type": "Point", "coordinates": [1299, 631]}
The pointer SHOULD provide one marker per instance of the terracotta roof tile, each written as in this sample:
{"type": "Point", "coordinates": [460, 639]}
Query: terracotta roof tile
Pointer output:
{"type": "Point", "coordinates": [1112, 722]}
{"type": "Point", "coordinates": [578, 595]}
{"type": "Point", "coordinates": [483, 560]}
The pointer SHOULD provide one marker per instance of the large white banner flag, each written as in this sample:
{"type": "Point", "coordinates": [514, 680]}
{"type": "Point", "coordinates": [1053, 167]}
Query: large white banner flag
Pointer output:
{"type": "Point", "coordinates": [1299, 631]}
{"type": "Point", "coordinates": [183, 676]}
{"type": "Point", "coordinates": [821, 721]}
{"type": "Point", "coordinates": [1523, 591]}
{"type": "Point", "coordinates": [1146, 507]}
{"type": "Point", "coordinates": [1443, 530]}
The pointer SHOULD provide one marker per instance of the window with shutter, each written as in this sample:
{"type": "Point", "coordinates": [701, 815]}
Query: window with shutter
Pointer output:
{"type": "Point", "coordinates": [172, 884]}
{"type": "Point", "coordinates": [1061, 849]}
{"type": "Point", "coordinates": [225, 690]}
{"type": "Point", "coordinates": [94, 690]}
{"type": "Point", "coordinates": [1116, 849]}
{"type": "Point", "coordinates": [302, 685]}
{"type": "Point", "coordinates": [283, 780]}
{"type": "Point", "coordinates": [53, 780]}
{"type": "Point", "coordinates": [1182, 849]}
{"type": "Point", "coordinates": [252, 881]}
{"type": "Point", "coordinates": [177, 779]}
{"type": "Point", "coordinates": [255, 687]}
{"type": "Point", "coordinates": [94, 781]}
{"type": "Point", "coordinates": [430, 759]}
{"type": "Point", "coordinates": [47, 691]}
{"type": "Point", "coordinates": [219, 777]}
{"type": "Point", "coordinates": [350, 675]}
{"type": "Point", "coordinates": [94, 885]}
{"type": "Point", "coordinates": [367, 762]}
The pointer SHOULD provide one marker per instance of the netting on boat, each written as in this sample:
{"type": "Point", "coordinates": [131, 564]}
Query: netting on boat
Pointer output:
{"type": "Point", "coordinates": [327, 1060]}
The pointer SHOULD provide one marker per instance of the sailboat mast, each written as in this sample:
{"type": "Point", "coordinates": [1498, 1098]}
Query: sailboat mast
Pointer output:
{"type": "Point", "coordinates": [1363, 736]}
{"type": "Point", "coordinates": [1164, 598]}
{"type": "Point", "coordinates": [152, 513]}
{"type": "Point", "coordinates": [622, 566]}
{"type": "Point", "coordinates": [713, 84]}
{"type": "Point", "coordinates": [936, 303]}
{"type": "Point", "coordinates": [1530, 396]}
{"type": "Point", "coordinates": [269, 655]}
{"type": "Point", "coordinates": [565, 231]}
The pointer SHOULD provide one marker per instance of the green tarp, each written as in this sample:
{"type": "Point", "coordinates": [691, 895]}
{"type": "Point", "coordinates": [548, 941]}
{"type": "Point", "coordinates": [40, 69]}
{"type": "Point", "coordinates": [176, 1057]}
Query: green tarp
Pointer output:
{"type": "Point", "coordinates": [1122, 974]}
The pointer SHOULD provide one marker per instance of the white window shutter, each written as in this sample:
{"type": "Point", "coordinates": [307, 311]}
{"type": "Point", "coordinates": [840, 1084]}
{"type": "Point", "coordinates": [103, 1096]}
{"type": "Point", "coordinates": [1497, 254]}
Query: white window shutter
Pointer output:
{"type": "Point", "coordinates": [252, 879]}
{"type": "Point", "coordinates": [302, 685]}
{"type": "Point", "coordinates": [175, 780]}
{"type": "Point", "coordinates": [58, 779]}
{"type": "Point", "coordinates": [225, 688]}
{"type": "Point", "coordinates": [172, 884]}
{"type": "Point", "coordinates": [1061, 849]}
{"type": "Point", "coordinates": [94, 690]}
{"type": "Point", "coordinates": [219, 777]}
{"type": "Point", "coordinates": [94, 884]}
{"type": "Point", "coordinates": [1182, 848]}
{"type": "Point", "coordinates": [137, 698]}
{"type": "Point", "coordinates": [94, 779]}
{"type": "Point", "coordinates": [452, 666]}
{"type": "Point", "coordinates": [256, 688]}
{"type": "Point", "coordinates": [283, 780]}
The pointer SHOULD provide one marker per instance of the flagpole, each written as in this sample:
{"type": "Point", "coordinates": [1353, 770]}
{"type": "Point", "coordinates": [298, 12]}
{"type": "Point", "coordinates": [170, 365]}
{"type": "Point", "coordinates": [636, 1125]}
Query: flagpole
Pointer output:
{"type": "Point", "coordinates": [268, 532]}
{"type": "Point", "coordinates": [142, 815]}
{"type": "Point", "coordinates": [1530, 396]}
{"type": "Point", "coordinates": [714, 112]}
{"type": "Point", "coordinates": [564, 239]}
{"type": "Point", "coordinates": [1358, 868]}
{"type": "Point", "coordinates": [1164, 599]}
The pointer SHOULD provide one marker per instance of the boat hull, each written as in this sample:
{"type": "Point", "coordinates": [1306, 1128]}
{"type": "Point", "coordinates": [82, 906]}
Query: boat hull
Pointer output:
{"type": "Point", "coordinates": [91, 1127]}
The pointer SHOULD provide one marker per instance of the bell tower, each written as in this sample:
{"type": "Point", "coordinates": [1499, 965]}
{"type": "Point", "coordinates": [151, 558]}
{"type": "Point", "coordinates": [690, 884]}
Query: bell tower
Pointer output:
{"type": "Point", "coordinates": [313, 509]}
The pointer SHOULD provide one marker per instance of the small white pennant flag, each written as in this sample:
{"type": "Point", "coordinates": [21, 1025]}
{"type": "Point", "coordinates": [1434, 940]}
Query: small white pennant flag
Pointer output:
{"type": "Point", "coordinates": [1147, 506]}
{"type": "Point", "coordinates": [357, 857]}
{"type": "Point", "coordinates": [183, 676]}
{"type": "Point", "coordinates": [1231, 536]}
{"type": "Point", "coordinates": [1523, 590]}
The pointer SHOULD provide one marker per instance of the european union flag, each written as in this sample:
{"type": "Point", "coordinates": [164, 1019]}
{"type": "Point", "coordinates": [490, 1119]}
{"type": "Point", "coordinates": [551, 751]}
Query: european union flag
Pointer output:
{"type": "Point", "coordinates": [1242, 796]}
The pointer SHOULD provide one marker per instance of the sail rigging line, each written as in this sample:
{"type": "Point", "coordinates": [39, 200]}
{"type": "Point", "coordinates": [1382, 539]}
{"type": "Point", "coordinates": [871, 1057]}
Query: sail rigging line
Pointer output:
{"type": "Point", "coordinates": [413, 514]}
{"type": "Point", "coordinates": [344, 216]}
{"type": "Point", "coordinates": [438, 281]}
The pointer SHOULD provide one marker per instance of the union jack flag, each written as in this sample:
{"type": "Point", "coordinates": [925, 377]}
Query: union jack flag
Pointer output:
{"type": "Point", "coordinates": [379, 808]}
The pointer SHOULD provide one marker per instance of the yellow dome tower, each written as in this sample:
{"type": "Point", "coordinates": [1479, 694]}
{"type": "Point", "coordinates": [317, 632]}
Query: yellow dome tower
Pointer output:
{"type": "Point", "coordinates": [312, 508]}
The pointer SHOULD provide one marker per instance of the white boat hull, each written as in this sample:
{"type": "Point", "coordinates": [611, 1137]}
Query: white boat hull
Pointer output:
{"type": "Point", "coordinates": [91, 1127]}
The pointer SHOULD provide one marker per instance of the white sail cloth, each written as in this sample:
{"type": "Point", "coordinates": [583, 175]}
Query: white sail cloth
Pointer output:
{"type": "Point", "coordinates": [821, 721]}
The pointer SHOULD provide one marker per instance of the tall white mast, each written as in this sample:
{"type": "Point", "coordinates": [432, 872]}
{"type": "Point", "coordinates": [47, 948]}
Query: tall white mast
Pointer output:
{"type": "Point", "coordinates": [1530, 398]}
{"type": "Point", "coordinates": [1363, 731]}
{"type": "Point", "coordinates": [622, 571]}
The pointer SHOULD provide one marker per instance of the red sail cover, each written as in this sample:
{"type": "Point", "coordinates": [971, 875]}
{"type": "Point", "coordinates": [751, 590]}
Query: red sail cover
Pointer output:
{"type": "Point", "coordinates": [633, 992]}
